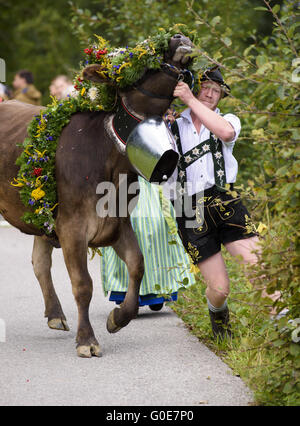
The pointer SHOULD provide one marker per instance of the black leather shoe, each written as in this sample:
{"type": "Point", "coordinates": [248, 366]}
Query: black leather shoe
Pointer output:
{"type": "Point", "coordinates": [156, 307]}
{"type": "Point", "coordinates": [220, 323]}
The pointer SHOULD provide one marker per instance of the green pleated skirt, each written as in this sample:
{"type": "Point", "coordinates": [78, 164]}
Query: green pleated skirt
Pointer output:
{"type": "Point", "coordinates": [167, 265]}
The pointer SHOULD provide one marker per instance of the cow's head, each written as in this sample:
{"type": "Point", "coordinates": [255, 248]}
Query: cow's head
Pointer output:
{"type": "Point", "coordinates": [153, 92]}
{"type": "Point", "coordinates": [179, 49]}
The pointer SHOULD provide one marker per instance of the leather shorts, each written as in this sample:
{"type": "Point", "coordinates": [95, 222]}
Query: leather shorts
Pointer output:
{"type": "Point", "coordinates": [219, 218]}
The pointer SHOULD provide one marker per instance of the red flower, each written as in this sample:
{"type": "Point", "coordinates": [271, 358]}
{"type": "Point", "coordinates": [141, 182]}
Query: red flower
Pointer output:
{"type": "Point", "coordinates": [37, 172]}
{"type": "Point", "coordinates": [100, 53]}
{"type": "Point", "coordinates": [88, 51]}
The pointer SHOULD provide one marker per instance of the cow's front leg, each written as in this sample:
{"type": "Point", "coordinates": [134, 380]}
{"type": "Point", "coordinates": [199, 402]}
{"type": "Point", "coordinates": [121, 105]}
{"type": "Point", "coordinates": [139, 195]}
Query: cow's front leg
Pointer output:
{"type": "Point", "coordinates": [74, 246]}
{"type": "Point", "coordinates": [128, 250]}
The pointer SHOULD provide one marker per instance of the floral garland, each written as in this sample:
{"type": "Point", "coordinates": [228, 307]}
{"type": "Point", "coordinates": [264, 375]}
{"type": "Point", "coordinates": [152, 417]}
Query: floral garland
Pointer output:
{"type": "Point", "coordinates": [36, 177]}
{"type": "Point", "coordinates": [123, 66]}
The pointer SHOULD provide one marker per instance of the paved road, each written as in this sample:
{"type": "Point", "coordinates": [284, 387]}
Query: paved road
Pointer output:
{"type": "Point", "coordinates": [153, 361]}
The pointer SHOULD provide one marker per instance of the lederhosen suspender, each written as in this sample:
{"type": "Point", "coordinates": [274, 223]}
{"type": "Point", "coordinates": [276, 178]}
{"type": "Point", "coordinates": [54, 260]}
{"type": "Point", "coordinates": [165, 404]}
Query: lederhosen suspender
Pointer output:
{"type": "Point", "coordinates": [213, 145]}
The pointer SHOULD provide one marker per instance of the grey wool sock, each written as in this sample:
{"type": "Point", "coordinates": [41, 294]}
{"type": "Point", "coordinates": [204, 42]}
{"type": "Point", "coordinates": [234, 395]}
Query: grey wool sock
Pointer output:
{"type": "Point", "coordinates": [212, 308]}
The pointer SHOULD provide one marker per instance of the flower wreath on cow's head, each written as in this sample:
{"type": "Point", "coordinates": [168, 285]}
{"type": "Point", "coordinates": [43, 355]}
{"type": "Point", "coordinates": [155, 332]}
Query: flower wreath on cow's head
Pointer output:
{"type": "Point", "coordinates": [123, 67]}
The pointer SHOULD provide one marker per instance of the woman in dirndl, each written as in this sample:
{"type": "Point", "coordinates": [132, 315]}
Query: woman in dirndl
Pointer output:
{"type": "Point", "coordinates": [167, 265]}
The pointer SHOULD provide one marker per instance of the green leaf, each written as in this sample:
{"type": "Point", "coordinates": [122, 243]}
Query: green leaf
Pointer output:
{"type": "Point", "coordinates": [282, 171]}
{"type": "Point", "coordinates": [288, 387]}
{"type": "Point", "coordinates": [261, 60]}
{"type": "Point", "coordinates": [216, 20]}
{"type": "Point", "coordinates": [281, 92]}
{"type": "Point", "coordinates": [276, 8]}
{"type": "Point", "coordinates": [227, 41]}
{"type": "Point", "coordinates": [294, 349]}
{"type": "Point", "coordinates": [261, 8]}
{"type": "Point", "coordinates": [261, 121]}
{"type": "Point", "coordinates": [244, 321]}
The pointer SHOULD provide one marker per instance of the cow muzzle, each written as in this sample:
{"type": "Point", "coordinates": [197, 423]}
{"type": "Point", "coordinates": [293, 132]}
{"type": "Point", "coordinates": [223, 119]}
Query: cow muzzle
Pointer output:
{"type": "Point", "coordinates": [182, 48]}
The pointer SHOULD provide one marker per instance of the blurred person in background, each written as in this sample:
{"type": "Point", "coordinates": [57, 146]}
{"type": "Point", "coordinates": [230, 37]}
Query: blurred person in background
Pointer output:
{"type": "Point", "coordinates": [5, 93]}
{"type": "Point", "coordinates": [25, 91]}
{"type": "Point", "coordinates": [61, 86]}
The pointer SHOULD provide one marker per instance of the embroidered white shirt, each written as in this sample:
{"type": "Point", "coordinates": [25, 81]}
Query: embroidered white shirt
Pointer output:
{"type": "Point", "coordinates": [200, 174]}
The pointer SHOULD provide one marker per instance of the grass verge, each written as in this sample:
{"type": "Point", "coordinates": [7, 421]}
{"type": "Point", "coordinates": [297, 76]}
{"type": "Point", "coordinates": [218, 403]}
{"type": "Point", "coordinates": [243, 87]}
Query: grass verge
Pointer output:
{"type": "Point", "coordinates": [261, 351]}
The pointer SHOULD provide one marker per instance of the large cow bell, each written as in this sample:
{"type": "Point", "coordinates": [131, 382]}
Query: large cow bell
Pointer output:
{"type": "Point", "coordinates": [150, 148]}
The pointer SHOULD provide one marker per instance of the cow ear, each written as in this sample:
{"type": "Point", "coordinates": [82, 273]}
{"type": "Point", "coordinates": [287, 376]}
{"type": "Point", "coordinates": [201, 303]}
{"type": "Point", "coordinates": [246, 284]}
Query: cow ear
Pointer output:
{"type": "Point", "coordinates": [96, 73]}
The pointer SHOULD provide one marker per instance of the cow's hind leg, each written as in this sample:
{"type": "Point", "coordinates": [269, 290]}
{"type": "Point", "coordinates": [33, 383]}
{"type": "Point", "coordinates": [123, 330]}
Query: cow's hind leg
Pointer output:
{"type": "Point", "coordinates": [128, 250]}
{"type": "Point", "coordinates": [75, 247]}
{"type": "Point", "coordinates": [42, 262]}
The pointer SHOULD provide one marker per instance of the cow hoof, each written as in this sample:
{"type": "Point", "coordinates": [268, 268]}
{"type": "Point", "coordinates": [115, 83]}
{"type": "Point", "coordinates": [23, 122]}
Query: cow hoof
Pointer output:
{"type": "Point", "coordinates": [111, 326]}
{"type": "Point", "coordinates": [58, 324]}
{"type": "Point", "coordinates": [88, 351]}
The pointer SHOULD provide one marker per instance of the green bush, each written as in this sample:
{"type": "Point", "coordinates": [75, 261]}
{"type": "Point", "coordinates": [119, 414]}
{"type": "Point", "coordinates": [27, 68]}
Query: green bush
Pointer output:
{"type": "Point", "coordinates": [265, 80]}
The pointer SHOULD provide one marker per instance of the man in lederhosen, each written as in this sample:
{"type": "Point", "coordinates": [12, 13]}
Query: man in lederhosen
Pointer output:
{"type": "Point", "coordinates": [205, 140]}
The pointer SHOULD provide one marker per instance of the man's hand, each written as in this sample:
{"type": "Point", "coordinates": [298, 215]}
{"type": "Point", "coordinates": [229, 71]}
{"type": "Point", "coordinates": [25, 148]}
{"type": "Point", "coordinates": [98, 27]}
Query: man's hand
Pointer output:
{"type": "Point", "coordinates": [184, 93]}
{"type": "Point", "coordinates": [171, 115]}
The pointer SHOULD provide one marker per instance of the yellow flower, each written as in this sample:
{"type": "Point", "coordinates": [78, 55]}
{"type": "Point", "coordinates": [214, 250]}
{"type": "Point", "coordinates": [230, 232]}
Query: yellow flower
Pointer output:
{"type": "Point", "coordinates": [125, 64]}
{"type": "Point", "coordinates": [101, 41]}
{"type": "Point", "coordinates": [103, 74]}
{"type": "Point", "coordinates": [140, 49]}
{"type": "Point", "coordinates": [26, 150]}
{"type": "Point", "coordinates": [39, 153]}
{"type": "Point", "coordinates": [38, 181]}
{"type": "Point", "coordinates": [54, 100]}
{"type": "Point", "coordinates": [194, 269]}
{"type": "Point", "coordinates": [52, 208]}
{"type": "Point", "coordinates": [19, 181]}
{"type": "Point", "coordinates": [82, 91]}
{"type": "Point", "coordinates": [38, 193]}
{"type": "Point", "coordinates": [143, 52]}
{"type": "Point", "coordinates": [41, 127]}
{"type": "Point", "coordinates": [262, 228]}
{"type": "Point", "coordinates": [16, 184]}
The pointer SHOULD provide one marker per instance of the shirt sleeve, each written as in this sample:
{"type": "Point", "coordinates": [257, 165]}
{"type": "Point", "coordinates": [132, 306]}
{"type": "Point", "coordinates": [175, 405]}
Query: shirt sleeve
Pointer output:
{"type": "Point", "coordinates": [236, 124]}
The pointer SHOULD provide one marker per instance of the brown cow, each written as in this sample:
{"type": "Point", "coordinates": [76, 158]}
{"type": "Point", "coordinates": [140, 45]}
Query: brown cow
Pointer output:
{"type": "Point", "coordinates": [86, 156]}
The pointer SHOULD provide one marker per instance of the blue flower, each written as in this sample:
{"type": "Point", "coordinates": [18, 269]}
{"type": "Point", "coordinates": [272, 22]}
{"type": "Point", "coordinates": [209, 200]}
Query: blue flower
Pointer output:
{"type": "Point", "coordinates": [131, 54]}
{"type": "Point", "coordinates": [31, 202]}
